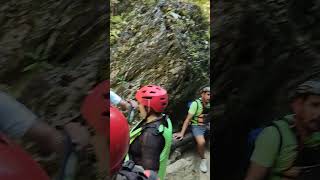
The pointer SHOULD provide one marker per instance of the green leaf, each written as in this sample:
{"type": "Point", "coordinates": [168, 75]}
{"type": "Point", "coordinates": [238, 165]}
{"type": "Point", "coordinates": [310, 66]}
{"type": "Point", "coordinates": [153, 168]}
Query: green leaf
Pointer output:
{"type": "Point", "coordinates": [116, 19]}
{"type": "Point", "coordinates": [30, 67]}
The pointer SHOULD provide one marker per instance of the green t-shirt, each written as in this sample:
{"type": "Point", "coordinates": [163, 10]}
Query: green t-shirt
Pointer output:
{"type": "Point", "coordinates": [267, 147]}
{"type": "Point", "coordinates": [193, 109]}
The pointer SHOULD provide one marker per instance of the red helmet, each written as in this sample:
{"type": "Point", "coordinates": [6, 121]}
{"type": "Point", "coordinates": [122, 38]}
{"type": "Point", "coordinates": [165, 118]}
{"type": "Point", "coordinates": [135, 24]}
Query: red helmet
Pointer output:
{"type": "Point", "coordinates": [95, 106]}
{"type": "Point", "coordinates": [95, 111]}
{"type": "Point", "coordinates": [16, 164]}
{"type": "Point", "coordinates": [153, 96]}
{"type": "Point", "coordinates": [119, 138]}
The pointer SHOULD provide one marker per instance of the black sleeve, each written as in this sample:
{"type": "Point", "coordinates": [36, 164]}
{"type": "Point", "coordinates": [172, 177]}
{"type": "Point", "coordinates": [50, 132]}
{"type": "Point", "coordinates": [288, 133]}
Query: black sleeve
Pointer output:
{"type": "Point", "coordinates": [151, 146]}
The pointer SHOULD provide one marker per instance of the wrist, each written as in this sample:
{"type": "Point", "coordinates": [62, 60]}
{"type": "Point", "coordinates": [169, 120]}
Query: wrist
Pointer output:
{"type": "Point", "coordinates": [69, 148]}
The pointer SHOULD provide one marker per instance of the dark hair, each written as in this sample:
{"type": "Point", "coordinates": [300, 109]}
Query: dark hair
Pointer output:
{"type": "Point", "coordinates": [152, 111]}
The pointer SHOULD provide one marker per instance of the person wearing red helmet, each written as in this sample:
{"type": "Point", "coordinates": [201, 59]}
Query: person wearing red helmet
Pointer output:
{"type": "Point", "coordinates": [112, 137]}
{"type": "Point", "coordinates": [119, 145]}
{"type": "Point", "coordinates": [151, 138]}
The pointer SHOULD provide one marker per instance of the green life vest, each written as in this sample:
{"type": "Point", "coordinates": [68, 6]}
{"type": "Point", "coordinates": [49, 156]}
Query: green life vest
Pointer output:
{"type": "Point", "coordinates": [167, 135]}
{"type": "Point", "coordinates": [197, 115]}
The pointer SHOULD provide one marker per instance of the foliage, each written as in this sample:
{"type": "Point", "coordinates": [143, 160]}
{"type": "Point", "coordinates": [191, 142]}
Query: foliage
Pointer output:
{"type": "Point", "coordinates": [34, 62]}
{"type": "Point", "coordinates": [115, 26]}
{"type": "Point", "coordinates": [204, 5]}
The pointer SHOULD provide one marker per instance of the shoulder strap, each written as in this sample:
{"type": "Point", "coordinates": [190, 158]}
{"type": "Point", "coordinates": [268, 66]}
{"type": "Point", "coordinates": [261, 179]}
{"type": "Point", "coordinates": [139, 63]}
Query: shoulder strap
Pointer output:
{"type": "Point", "coordinates": [279, 149]}
{"type": "Point", "coordinates": [280, 135]}
{"type": "Point", "coordinates": [197, 105]}
{"type": "Point", "coordinates": [131, 175]}
{"type": "Point", "coordinates": [131, 172]}
{"type": "Point", "coordinates": [156, 128]}
{"type": "Point", "coordinates": [197, 102]}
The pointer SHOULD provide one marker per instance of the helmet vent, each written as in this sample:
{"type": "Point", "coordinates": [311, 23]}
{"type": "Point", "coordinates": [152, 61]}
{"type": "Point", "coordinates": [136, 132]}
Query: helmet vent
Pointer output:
{"type": "Point", "coordinates": [144, 91]}
{"type": "Point", "coordinates": [162, 98]}
{"type": "Point", "coordinates": [152, 92]}
{"type": "Point", "coordinates": [147, 97]}
{"type": "Point", "coordinates": [149, 86]}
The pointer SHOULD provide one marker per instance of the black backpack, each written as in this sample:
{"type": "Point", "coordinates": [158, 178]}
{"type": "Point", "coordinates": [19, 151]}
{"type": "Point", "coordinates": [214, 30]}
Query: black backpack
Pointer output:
{"type": "Point", "coordinates": [129, 171]}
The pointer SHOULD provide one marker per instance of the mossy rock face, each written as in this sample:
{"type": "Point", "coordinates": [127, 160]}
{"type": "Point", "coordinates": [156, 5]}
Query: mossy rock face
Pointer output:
{"type": "Point", "coordinates": [61, 44]}
{"type": "Point", "coordinates": [167, 45]}
{"type": "Point", "coordinates": [52, 53]}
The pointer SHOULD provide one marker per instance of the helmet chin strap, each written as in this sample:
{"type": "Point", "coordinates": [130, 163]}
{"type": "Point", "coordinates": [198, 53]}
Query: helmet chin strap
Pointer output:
{"type": "Point", "coordinates": [148, 105]}
{"type": "Point", "coordinates": [148, 110]}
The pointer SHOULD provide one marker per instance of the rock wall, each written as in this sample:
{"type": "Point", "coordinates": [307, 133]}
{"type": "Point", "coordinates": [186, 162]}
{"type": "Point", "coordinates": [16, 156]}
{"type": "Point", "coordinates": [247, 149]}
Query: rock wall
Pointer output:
{"type": "Point", "coordinates": [51, 54]}
{"type": "Point", "coordinates": [260, 51]}
{"type": "Point", "coordinates": [165, 44]}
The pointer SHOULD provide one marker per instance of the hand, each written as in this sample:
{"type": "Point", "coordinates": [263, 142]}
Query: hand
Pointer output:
{"type": "Point", "coordinates": [79, 134]}
{"type": "Point", "coordinates": [178, 136]}
{"type": "Point", "coordinates": [292, 172]}
{"type": "Point", "coordinates": [133, 103]}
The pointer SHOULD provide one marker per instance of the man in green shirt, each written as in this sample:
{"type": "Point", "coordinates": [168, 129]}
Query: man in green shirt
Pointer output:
{"type": "Point", "coordinates": [278, 149]}
{"type": "Point", "coordinates": [196, 115]}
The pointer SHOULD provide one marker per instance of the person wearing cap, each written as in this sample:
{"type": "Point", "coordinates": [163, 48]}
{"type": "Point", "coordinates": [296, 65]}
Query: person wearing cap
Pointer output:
{"type": "Point", "coordinates": [292, 151]}
{"type": "Point", "coordinates": [196, 115]}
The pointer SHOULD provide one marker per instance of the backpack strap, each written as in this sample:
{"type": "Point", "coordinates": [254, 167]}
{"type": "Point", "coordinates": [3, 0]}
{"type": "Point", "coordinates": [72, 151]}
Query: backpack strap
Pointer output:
{"type": "Point", "coordinates": [280, 135]}
{"type": "Point", "coordinates": [128, 165]}
{"type": "Point", "coordinates": [157, 129]}
{"type": "Point", "coordinates": [197, 107]}
{"type": "Point", "coordinates": [132, 172]}
{"type": "Point", "coordinates": [280, 147]}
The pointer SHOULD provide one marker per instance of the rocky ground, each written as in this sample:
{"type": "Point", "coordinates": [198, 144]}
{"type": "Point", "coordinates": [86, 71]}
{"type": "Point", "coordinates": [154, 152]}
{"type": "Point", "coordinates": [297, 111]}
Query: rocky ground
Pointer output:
{"type": "Point", "coordinates": [187, 167]}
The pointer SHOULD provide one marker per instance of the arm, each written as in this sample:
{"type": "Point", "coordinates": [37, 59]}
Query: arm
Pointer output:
{"type": "Point", "coordinates": [264, 155]}
{"type": "Point", "coordinates": [186, 123]}
{"type": "Point", "coordinates": [191, 112]}
{"type": "Point", "coordinates": [125, 105]}
{"type": "Point", "coordinates": [180, 134]}
{"type": "Point", "coordinates": [256, 172]}
{"type": "Point", "coordinates": [117, 100]}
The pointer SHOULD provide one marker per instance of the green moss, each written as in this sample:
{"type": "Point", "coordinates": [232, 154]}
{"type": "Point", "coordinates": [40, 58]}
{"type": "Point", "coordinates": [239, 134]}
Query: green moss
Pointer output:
{"type": "Point", "coordinates": [204, 6]}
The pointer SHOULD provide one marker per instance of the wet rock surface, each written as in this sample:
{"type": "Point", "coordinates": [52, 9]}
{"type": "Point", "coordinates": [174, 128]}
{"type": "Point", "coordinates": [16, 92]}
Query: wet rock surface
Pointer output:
{"type": "Point", "coordinates": [165, 44]}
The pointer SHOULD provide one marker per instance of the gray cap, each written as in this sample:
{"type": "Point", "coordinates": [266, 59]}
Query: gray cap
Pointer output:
{"type": "Point", "coordinates": [205, 89]}
{"type": "Point", "coordinates": [308, 87]}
